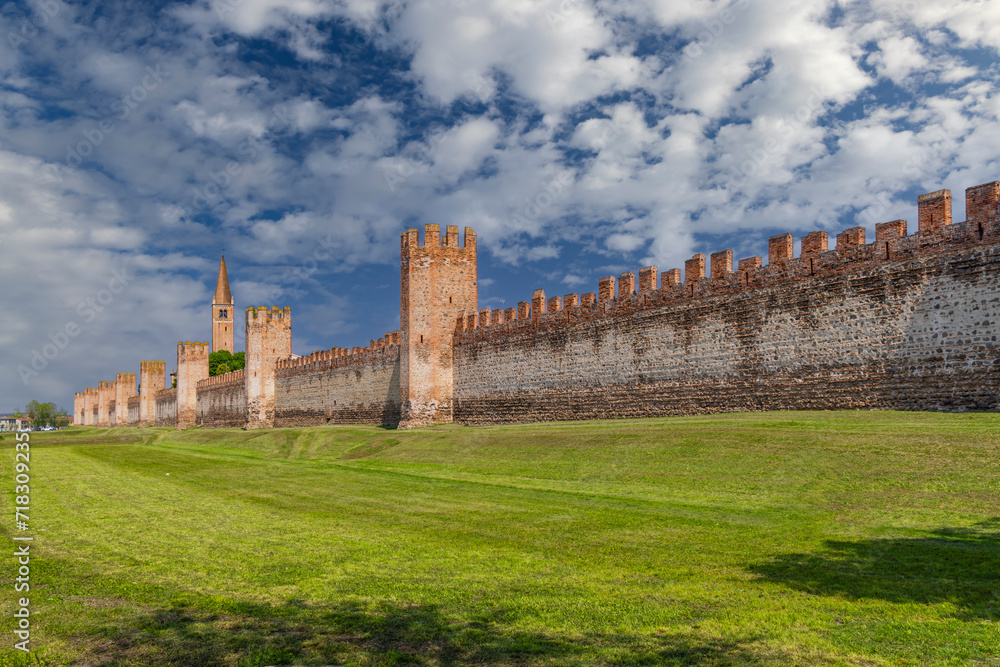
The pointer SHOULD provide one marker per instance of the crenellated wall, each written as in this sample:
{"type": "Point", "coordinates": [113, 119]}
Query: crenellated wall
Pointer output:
{"type": "Point", "coordinates": [222, 400]}
{"type": "Point", "coordinates": [905, 322]}
{"type": "Point", "coordinates": [166, 407]}
{"type": "Point", "coordinates": [133, 411]}
{"type": "Point", "coordinates": [340, 386]}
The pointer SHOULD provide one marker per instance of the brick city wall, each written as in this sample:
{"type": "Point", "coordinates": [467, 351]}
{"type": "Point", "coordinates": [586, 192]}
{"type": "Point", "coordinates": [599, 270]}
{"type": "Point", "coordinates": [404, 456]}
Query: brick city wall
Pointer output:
{"type": "Point", "coordinates": [340, 386]}
{"type": "Point", "coordinates": [133, 411]}
{"type": "Point", "coordinates": [222, 400]}
{"type": "Point", "coordinates": [166, 407]}
{"type": "Point", "coordinates": [906, 322]}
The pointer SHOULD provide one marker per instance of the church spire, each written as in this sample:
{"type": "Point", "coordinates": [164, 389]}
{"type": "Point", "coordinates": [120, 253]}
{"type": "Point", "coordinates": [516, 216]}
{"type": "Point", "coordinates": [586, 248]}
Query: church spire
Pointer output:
{"type": "Point", "coordinates": [222, 312]}
{"type": "Point", "coordinates": [222, 293]}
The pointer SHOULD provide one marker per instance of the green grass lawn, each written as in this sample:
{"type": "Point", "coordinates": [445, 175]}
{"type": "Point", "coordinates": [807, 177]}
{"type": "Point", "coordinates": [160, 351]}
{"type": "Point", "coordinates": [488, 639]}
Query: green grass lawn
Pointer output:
{"type": "Point", "coordinates": [844, 538]}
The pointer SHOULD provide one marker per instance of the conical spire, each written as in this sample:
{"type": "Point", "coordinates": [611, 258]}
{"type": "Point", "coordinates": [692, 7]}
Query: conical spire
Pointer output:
{"type": "Point", "coordinates": [222, 293]}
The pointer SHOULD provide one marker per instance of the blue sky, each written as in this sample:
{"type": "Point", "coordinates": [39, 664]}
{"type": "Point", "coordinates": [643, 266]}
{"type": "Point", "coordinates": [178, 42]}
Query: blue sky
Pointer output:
{"type": "Point", "coordinates": [580, 139]}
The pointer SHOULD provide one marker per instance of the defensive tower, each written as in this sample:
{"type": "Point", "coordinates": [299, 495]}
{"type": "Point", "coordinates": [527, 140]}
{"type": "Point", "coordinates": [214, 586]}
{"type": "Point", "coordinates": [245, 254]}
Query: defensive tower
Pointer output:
{"type": "Point", "coordinates": [124, 390]}
{"type": "Point", "coordinates": [152, 378]}
{"type": "Point", "coordinates": [268, 339]}
{"type": "Point", "coordinates": [437, 282]}
{"type": "Point", "coordinates": [222, 312]}
{"type": "Point", "coordinates": [78, 402]}
{"type": "Point", "coordinates": [192, 366]}
{"type": "Point", "coordinates": [90, 406]}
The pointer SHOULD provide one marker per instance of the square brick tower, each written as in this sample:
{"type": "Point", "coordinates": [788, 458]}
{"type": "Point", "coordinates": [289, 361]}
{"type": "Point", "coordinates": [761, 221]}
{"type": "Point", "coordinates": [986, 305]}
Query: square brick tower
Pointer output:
{"type": "Point", "coordinates": [124, 390]}
{"type": "Point", "coordinates": [222, 312]}
{"type": "Point", "coordinates": [89, 406]}
{"type": "Point", "coordinates": [152, 378]}
{"type": "Point", "coordinates": [192, 366]}
{"type": "Point", "coordinates": [105, 394]}
{"type": "Point", "coordinates": [78, 402]}
{"type": "Point", "coordinates": [438, 281]}
{"type": "Point", "coordinates": [268, 339]}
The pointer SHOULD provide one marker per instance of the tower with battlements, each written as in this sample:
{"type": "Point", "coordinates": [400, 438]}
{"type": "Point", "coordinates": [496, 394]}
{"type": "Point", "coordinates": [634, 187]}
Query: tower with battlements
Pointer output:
{"type": "Point", "coordinates": [437, 282]}
{"type": "Point", "coordinates": [192, 366]}
{"type": "Point", "coordinates": [152, 376]}
{"type": "Point", "coordinates": [222, 312]}
{"type": "Point", "coordinates": [268, 340]}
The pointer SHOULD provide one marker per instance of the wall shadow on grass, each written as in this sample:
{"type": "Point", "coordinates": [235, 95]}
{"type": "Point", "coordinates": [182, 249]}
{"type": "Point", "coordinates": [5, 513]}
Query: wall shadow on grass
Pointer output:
{"type": "Point", "coordinates": [956, 565]}
{"type": "Point", "coordinates": [248, 635]}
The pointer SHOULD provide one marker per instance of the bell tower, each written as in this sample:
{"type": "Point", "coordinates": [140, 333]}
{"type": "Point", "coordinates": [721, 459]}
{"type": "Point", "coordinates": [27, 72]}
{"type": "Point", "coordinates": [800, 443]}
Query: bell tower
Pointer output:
{"type": "Point", "coordinates": [222, 312]}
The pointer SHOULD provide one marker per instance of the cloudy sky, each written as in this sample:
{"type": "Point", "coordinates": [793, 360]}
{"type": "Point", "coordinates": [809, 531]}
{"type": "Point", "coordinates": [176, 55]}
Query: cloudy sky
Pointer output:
{"type": "Point", "coordinates": [579, 138]}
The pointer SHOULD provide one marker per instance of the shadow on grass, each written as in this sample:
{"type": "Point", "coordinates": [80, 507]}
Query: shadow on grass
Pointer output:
{"type": "Point", "coordinates": [960, 566]}
{"type": "Point", "coordinates": [248, 635]}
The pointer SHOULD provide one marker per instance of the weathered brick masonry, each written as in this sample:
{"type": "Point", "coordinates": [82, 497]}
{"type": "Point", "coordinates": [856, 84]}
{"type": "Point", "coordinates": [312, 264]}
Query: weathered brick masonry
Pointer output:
{"type": "Point", "coordinates": [222, 400]}
{"type": "Point", "coordinates": [339, 386]}
{"type": "Point", "coordinates": [166, 407]}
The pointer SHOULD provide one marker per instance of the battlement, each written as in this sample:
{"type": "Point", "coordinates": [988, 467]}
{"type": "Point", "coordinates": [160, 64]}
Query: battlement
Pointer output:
{"type": "Point", "coordinates": [153, 365]}
{"type": "Point", "coordinates": [385, 347]}
{"type": "Point", "coordinates": [433, 239]}
{"type": "Point", "coordinates": [237, 377]}
{"type": "Point", "coordinates": [275, 314]}
{"type": "Point", "coordinates": [936, 233]}
{"type": "Point", "coordinates": [168, 392]}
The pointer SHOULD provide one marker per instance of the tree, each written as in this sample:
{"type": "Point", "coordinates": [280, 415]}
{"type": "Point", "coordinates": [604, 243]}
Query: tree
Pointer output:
{"type": "Point", "coordinates": [225, 361]}
{"type": "Point", "coordinates": [41, 414]}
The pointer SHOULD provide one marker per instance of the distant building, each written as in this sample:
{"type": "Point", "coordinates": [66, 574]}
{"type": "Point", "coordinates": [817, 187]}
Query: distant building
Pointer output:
{"type": "Point", "coordinates": [12, 423]}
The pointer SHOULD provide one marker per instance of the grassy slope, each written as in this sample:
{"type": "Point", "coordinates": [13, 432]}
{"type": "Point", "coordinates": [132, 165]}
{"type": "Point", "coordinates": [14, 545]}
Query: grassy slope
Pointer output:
{"type": "Point", "coordinates": [781, 538]}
